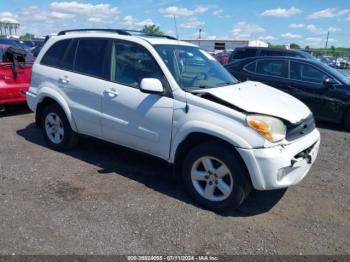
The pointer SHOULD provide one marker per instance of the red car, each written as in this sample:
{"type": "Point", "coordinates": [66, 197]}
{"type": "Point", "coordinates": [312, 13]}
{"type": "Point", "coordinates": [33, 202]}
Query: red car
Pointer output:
{"type": "Point", "coordinates": [15, 74]}
{"type": "Point", "coordinates": [223, 57]}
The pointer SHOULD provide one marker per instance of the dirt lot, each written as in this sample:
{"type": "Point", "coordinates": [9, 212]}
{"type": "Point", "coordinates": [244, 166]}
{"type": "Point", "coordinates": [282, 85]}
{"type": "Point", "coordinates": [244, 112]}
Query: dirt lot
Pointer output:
{"type": "Point", "coordinates": [104, 199]}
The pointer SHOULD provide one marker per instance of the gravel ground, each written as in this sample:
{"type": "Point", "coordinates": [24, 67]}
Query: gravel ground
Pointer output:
{"type": "Point", "coordinates": [103, 199]}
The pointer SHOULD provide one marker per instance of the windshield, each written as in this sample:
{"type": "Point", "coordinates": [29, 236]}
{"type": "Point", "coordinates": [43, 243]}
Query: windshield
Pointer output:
{"type": "Point", "coordinates": [194, 68]}
{"type": "Point", "coordinates": [342, 76]}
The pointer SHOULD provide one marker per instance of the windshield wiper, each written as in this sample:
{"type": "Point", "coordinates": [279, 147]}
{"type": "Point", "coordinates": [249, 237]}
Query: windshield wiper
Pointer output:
{"type": "Point", "coordinates": [225, 84]}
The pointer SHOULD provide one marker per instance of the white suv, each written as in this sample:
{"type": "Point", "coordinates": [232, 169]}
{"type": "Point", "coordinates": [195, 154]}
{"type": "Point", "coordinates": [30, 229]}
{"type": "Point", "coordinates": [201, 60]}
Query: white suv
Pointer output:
{"type": "Point", "coordinates": [172, 100]}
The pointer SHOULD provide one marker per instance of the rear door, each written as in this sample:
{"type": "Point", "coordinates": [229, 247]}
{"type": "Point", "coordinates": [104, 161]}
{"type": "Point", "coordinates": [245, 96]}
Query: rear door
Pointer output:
{"type": "Point", "coordinates": [272, 72]}
{"type": "Point", "coordinates": [84, 81]}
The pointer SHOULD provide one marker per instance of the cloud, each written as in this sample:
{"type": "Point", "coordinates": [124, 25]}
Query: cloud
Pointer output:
{"type": "Point", "coordinates": [316, 30]}
{"type": "Point", "coordinates": [290, 36]}
{"type": "Point", "coordinates": [281, 12]}
{"type": "Point", "coordinates": [8, 17]}
{"type": "Point", "coordinates": [192, 22]}
{"type": "Point", "coordinates": [218, 12]}
{"type": "Point", "coordinates": [267, 38]}
{"type": "Point", "coordinates": [131, 22]}
{"type": "Point", "coordinates": [98, 10]}
{"type": "Point", "coordinates": [245, 30]}
{"type": "Point", "coordinates": [296, 26]}
{"type": "Point", "coordinates": [172, 11]}
{"type": "Point", "coordinates": [59, 15]}
{"type": "Point", "coordinates": [328, 13]}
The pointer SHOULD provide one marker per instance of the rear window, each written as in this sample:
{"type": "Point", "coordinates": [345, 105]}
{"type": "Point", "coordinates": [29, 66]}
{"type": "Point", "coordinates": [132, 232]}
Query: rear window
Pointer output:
{"type": "Point", "coordinates": [272, 53]}
{"type": "Point", "coordinates": [55, 53]}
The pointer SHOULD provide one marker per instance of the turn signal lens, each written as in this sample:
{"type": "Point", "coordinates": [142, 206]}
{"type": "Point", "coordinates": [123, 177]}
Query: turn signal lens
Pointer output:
{"type": "Point", "coordinates": [258, 125]}
{"type": "Point", "coordinates": [271, 128]}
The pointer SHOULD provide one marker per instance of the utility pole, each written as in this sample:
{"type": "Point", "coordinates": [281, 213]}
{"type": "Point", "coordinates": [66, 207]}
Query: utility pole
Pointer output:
{"type": "Point", "coordinates": [200, 34]}
{"type": "Point", "coordinates": [177, 35]}
{"type": "Point", "coordinates": [327, 39]}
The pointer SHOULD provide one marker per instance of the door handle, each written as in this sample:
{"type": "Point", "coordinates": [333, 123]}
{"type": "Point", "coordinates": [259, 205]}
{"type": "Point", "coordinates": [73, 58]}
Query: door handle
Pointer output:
{"type": "Point", "coordinates": [111, 92]}
{"type": "Point", "coordinates": [64, 80]}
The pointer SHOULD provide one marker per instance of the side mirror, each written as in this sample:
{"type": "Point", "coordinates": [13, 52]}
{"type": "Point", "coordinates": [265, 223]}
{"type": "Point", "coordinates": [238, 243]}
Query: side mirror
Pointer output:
{"type": "Point", "coordinates": [329, 82]}
{"type": "Point", "coordinates": [151, 86]}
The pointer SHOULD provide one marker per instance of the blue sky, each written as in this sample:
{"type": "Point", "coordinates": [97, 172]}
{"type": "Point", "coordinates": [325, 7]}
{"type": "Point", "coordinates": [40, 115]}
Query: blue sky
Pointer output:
{"type": "Point", "coordinates": [305, 22]}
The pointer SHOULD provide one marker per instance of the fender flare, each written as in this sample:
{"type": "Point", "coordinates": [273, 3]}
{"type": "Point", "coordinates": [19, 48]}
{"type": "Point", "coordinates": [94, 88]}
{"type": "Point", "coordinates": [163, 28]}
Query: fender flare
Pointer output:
{"type": "Point", "coordinates": [56, 96]}
{"type": "Point", "coordinates": [207, 129]}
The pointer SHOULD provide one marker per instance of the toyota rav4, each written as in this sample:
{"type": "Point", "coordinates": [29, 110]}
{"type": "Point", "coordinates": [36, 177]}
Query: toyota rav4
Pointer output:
{"type": "Point", "coordinates": [172, 100]}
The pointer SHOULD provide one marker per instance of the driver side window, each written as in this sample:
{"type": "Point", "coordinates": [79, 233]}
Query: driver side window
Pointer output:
{"type": "Point", "coordinates": [131, 63]}
{"type": "Point", "coordinates": [305, 72]}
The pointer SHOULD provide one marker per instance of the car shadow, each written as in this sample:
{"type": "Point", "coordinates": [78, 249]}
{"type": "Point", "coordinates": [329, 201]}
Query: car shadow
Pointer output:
{"type": "Point", "coordinates": [12, 110]}
{"type": "Point", "coordinates": [152, 172]}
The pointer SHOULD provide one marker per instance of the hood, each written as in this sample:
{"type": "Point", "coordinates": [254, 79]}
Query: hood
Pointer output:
{"type": "Point", "coordinates": [255, 97]}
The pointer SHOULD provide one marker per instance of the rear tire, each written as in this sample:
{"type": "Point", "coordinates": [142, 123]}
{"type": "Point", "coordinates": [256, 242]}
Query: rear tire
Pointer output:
{"type": "Point", "coordinates": [56, 129]}
{"type": "Point", "coordinates": [347, 120]}
{"type": "Point", "coordinates": [215, 176]}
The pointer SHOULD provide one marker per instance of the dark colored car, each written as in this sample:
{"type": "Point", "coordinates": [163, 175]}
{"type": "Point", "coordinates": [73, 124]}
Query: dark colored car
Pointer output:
{"type": "Point", "coordinates": [325, 90]}
{"type": "Point", "coordinates": [15, 43]}
{"type": "Point", "coordinates": [245, 52]}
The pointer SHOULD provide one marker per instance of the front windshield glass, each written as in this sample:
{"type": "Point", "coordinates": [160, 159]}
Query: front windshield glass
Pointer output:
{"type": "Point", "coordinates": [338, 74]}
{"type": "Point", "coordinates": [194, 68]}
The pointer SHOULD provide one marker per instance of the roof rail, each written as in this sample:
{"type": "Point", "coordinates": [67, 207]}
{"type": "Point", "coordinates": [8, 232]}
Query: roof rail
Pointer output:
{"type": "Point", "coordinates": [118, 31]}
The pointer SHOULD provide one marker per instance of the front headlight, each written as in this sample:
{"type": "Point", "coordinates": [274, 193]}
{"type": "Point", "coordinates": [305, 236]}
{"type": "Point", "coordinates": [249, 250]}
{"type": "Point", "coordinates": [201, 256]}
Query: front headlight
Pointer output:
{"type": "Point", "coordinates": [271, 128]}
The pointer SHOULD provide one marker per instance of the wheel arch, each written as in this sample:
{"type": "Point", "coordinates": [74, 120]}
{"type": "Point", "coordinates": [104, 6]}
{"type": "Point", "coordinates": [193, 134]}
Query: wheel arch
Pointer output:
{"type": "Point", "coordinates": [195, 138]}
{"type": "Point", "coordinates": [52, 97]}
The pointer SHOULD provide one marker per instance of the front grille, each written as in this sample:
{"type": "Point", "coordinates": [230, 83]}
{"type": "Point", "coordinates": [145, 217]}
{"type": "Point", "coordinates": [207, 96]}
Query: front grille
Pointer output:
{"type": "Point", "coordinates": [302, 128]}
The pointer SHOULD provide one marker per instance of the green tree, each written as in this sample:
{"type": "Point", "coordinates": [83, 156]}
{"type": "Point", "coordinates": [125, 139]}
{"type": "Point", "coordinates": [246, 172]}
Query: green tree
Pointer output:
{"type": "Point", "coordinates": [307, 47]}
{"type": "Point", "coordinates": [25, 37]}
{"type": "Point", "coordinates": [152, 29]}
{"type": "Point", "coordinates": [294, 46]}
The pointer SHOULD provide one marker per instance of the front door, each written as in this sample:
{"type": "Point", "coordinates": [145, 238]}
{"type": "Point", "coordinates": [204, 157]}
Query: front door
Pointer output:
{"type": "Point", "coordinates": [306, 82]}
{"type": "Point", "coordinates": [130, 117]}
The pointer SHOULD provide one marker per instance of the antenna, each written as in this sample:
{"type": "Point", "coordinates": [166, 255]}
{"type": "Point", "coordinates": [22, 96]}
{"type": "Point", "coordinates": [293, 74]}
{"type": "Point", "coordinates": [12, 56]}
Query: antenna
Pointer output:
{"type": "Point", "coordinates": [177, 35]}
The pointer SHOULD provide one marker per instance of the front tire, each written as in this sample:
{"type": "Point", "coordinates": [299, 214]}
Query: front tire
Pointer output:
{"type": "Point", "coordinates": [215, 176]}
{"type": "Point", "coordinates": [56, 129]}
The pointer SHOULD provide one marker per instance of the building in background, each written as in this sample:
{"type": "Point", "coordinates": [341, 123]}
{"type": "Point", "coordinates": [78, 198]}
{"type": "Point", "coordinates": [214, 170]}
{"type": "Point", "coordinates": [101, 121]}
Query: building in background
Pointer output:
{"type": "Point", "coordinates": [9, 27]}
{"type": "Point", "coordinates": [225, 44]}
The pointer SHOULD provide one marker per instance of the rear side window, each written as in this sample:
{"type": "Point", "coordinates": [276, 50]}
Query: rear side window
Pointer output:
{"type": "Point", "coordinates": [1, 54]}
{"type": "Point", "coordinates": [272, 68]}
{"type": "Point", "coordinates": [68, 59]}
{"type": "Point", "coordinates": [243, 53]}
{"type": "Point", "coordinates": [271, 53]}
{"type": "Point", "coordinates": [55, 53]}
{"type": "Point", "coordinates": [90, 57]}
{"type": "Point", "coordinates": [250, 67]}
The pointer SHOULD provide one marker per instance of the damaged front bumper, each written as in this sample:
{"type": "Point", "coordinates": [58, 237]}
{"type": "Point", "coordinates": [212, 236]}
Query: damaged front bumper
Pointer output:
{"type": "Point", "coordinates": [284, 165]}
